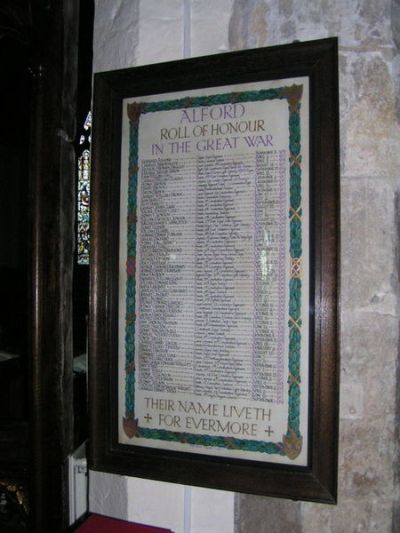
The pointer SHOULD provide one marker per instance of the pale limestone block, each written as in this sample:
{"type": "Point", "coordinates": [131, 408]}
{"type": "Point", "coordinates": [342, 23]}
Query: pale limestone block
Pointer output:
{"type": "Point", "coordinates": [368, 269]}
{"type": "Point", "coordinates": [294, 20]}
{"type": "Point", "coordinates": [368, 442]}
{"type": "Point", "coordinates": [209, 26]}
{"type": "Point", "coordinates": [314, 20]}
{"type": "Point", "coordinates": [365, 23]}
{"type": "Point", "coordinates": [380, 385]}
{"type": "Point", "coordinates": [369, 344]}
{"type": "Point", "coordinates": [248, 26]}
{"type": "Point", "coordinates": [166, 46]}
{"type": "Point", "coordinates": [396, 77]}
{"type": "Point", "coordinates": [285, 8]}
{"type": "Point", "coordinates": [115, 34]}
{"type": "Point", "coordinates": [116, 52]}
{"type": "Point", "coordinates": [366, 516]}
{"type": "Point", "coordinates": [372, 26]}
{"type": "Point", "coordinates": [316, 518]}
{"type": "Point", "coordinates": [211, 511]}
{"type": "Point", "coordinates": [371, 132]}
{"type": "Point", "coordinates": [156, 503]}
{"type": "Point", "coordinates": [161, 9]}
{"type": "Point", "coordinates": [257, 514]}
{"type": "Point", "coordinates": [363, 477]}
{"type": "Point", "coordinates": [351, 401]}
{"type": "Point", "coordinates": [107, 12]}
{"type": "Point", "coordinates": [108, 494]}
{"type": "Point", "coordinates": [349, 516]}
{"type": "Point", "coordinates": [160, 31]}
{"type": "Point", "coordinates": [366, 462]}
{"type": "Point", "coordinates": [357, 24]}
{"type": "Point", "coordinates": [369, 350]}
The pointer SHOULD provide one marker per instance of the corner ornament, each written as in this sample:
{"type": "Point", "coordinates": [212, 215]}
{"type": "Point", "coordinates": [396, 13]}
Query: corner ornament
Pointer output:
{"type": "Point", "coordinates": [134, 110]}
{"type": "Point", "coordinates": [293, 95]}
{"type": "Point", "coordinates": [292, 444]}
{"type": "Point", "coordinates": [131, 427]}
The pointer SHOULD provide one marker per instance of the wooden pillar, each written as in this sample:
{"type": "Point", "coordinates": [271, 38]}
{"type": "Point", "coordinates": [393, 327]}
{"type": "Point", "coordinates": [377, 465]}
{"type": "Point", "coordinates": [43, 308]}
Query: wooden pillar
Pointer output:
{"type": "Point", "coordinates": [52, 177]}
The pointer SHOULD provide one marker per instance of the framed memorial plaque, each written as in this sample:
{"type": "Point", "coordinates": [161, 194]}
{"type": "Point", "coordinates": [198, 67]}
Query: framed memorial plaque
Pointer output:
{"type": "Point", "coordinates": [213, 291]}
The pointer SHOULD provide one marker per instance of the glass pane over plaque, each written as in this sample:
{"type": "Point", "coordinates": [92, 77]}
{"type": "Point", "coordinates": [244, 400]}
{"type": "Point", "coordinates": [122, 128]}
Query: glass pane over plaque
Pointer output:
{"type": "Point", "coordinates": [214, 271]}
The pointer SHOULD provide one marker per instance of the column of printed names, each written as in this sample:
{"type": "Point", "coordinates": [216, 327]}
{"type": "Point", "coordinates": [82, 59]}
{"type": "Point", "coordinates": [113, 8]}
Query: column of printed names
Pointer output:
{"type": "Point", "coordinates": [165, 286]}
{"type": "Point", "coordinates": [211, 276]}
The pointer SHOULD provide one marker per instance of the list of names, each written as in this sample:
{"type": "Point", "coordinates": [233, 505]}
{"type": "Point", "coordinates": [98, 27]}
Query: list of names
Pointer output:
{"type": "Point", "coordinates": [211, 275]}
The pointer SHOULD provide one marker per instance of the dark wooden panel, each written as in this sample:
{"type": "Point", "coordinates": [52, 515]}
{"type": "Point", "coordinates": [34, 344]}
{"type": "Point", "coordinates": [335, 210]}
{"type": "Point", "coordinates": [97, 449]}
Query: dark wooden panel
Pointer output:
{"type": "Point", "coordinates": [54, 69]}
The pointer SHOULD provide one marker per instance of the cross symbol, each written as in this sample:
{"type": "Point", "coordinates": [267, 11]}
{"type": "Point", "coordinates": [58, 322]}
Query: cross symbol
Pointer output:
{"type": "Point", "coordinates": [148, 417]}
{"type": "Point", "coordinates": [269, 431]}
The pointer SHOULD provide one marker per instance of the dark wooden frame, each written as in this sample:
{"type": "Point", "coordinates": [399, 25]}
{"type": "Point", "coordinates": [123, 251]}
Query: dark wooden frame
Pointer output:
{"type": "Point", "coordinates": [318, 61]}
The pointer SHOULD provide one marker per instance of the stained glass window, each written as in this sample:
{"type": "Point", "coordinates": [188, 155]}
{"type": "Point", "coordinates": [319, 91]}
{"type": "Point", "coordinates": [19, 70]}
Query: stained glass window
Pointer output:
{"type": "Point", "coordinates": [83, 208]}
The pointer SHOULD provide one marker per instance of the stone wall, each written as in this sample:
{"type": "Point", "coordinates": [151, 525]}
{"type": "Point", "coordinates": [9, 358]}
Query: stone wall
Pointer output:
{"type": "Point", "coordinates": [133, 32]}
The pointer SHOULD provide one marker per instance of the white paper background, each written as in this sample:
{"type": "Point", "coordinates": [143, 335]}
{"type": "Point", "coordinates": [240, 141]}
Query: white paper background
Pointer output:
{"type": "Point", "coordinates": [150, 127]}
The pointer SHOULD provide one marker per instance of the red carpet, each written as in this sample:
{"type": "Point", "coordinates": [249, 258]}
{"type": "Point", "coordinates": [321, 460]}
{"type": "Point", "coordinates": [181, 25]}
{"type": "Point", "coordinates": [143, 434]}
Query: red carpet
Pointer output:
{"type": "Point", "coordinates": [103, 524]}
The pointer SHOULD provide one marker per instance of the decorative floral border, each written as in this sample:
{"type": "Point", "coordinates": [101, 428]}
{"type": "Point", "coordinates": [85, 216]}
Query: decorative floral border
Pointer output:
{"type": "Point", "coordinates": [292, 441]}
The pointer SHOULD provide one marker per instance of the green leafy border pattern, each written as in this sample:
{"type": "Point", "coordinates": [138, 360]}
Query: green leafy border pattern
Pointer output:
{"type": "Point", "coordinates": [292, 441]}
